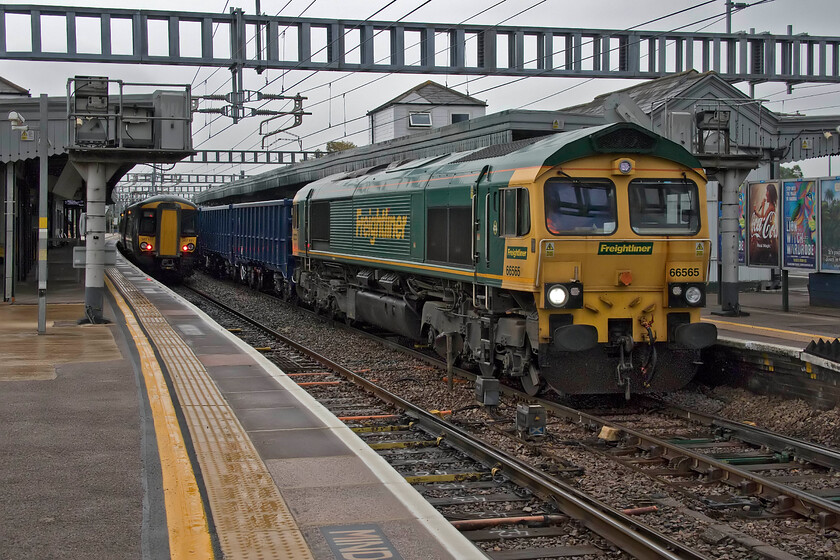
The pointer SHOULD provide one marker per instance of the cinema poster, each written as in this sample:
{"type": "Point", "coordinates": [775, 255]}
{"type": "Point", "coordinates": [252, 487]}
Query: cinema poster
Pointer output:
{"type": "Point", "coordinates": [763, 224]}
{"type": "Point", "coordinates": [799, 224]}
{"type": "Point", "coordinates": [830, 225]}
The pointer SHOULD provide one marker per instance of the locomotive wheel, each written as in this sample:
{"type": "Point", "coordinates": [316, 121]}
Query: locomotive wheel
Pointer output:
{"type": "Point", "coordinates": [289, 292]}
{"type": "Point", "coordinates": [334, 311]}
{"type": "Point", "coordinates": [255, 279]}
{"type": "Point", "coordinates": [532, 389]}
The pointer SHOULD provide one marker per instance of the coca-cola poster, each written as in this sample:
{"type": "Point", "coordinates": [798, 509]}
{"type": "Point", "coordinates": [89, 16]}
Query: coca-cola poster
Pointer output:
{"type": "Point", "coordinates": [762, 224]}
{"type": "Point", "coordinates": [830, 225]}
{"type": "Point", "coordinates": [799, 227]}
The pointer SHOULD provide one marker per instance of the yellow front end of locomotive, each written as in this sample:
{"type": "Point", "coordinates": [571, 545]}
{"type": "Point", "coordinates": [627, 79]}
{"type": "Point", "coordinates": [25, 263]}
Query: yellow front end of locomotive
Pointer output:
{"type": "Point", "coordinates": [612, 242]}
{"type": "Point", "coordinates": [626, 280]}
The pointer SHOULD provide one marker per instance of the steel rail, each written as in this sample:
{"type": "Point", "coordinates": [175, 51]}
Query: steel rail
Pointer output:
{"type": "Point", "coordinates": [825, 512]}
{"type": "Point", "coordinates": [621, 530]}
{"type": "Point", "coordinates": [805, 450]}
{"type": "Point", "coordinates": [788, 498]}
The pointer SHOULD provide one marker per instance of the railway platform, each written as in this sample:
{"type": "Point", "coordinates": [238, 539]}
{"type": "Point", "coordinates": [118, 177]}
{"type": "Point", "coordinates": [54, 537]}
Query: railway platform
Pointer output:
{"type": "Point", "coordinates": [768, 323]}
{"type": "Point", "coordinates": [235, 461]}
{"type": "Point", "coordinates": [160, 434]}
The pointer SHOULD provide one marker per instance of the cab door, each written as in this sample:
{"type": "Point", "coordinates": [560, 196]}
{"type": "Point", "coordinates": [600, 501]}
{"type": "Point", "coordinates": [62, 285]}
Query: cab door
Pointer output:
{"type": "Point", "coordinates": [306, 230]}
{"type": "Point", "coordinates": [488, 243]}
{"type": "Point", "coordinates": [169, 232]}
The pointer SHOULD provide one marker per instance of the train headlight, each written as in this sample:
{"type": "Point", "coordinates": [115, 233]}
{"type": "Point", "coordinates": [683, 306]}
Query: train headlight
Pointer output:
{"type": "Point", "coordinates": [686, 295]}
{"type": "Point", "coordinates": [566, 296]}
{"type": "Point", "coordinates": [693, 296]}
{"type": "Point", "coordinates": [557, 296]}
{"type": "Point", "coordinates": [188, 248]}
{"type": "Point", "coordinates": [146, 246]}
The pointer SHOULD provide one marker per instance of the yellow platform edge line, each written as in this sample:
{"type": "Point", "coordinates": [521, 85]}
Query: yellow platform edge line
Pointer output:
{"type": "Point", "coordinates": [769, 329]}
{"type": "Point", "coordinates": [189, 534]}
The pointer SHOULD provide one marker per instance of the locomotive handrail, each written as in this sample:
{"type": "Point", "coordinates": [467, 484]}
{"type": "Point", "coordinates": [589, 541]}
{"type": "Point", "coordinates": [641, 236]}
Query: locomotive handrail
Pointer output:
{"type": "Point", "coordinates": [474, 227]}
{"type": "Point", "coordinates": [487, 230]}
{"type": "Point", "coordinates": [611, 239]}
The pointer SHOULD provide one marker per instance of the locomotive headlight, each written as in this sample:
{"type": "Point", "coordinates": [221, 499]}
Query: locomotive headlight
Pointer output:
{"type": "Point", "coordinates": [623, 166]}
{"type": "Point", "coordinates": [677, 290]}
{"type": "Point", "coordinates": [146, 246]}
{"type": "Point", "coordinates": [558, 296]}
{"type": "Point", "coordinates": [693, 295]}
{"type": "Point", "coordinates": [568, 295]}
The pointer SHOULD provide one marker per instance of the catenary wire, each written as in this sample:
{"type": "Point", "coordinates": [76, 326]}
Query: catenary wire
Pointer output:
{"type": "Point", "coordinates": [348, 121]}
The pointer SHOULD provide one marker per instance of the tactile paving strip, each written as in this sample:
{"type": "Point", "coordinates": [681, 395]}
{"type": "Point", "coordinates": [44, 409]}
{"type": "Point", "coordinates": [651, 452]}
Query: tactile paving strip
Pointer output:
{"type": "Point", "coordinates": [250, 515]}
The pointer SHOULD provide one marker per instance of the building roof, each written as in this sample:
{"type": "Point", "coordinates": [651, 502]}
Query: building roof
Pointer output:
{"type": "Point", "coordinates": [651, 94]}
{"type": "Point", "coordinates": [431, 93]}
{"type": "Point", "coordinates": [8, 88]}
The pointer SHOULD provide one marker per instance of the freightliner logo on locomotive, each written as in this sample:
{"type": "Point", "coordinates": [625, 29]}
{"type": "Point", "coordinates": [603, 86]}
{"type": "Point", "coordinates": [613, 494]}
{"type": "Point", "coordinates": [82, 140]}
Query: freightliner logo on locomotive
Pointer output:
{"type": "Point", "coordinates": [517, 252]}
{"type": "Point", "coordinates": [381, 225]}
{"type": "Point", "coordinates": [625, 248]}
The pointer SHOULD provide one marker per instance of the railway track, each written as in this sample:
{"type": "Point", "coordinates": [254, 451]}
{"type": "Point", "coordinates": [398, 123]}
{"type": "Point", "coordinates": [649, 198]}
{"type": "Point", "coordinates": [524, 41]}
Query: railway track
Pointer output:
{"type": "Point", "coordinates": [509, 508]}
{"type": "Point", "coordinates": [726, 518]}
{"type": "Point", "coordinates": [769, 473]}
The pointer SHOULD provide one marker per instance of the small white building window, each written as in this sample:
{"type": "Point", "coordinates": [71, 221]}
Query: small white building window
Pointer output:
{"type": "Point", "coordinates": [460, 117]}
{"type": "Point", "coordinates": [420, 119]}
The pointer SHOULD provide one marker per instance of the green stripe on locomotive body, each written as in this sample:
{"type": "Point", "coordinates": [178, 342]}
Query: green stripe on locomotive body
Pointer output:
{"type": "Point", "coordinates": [382, 215]}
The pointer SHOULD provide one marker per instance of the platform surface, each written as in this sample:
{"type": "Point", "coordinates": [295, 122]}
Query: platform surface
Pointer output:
{"type": "Point", "coordinates": [86, 472]}
{"type": "Point", "coordinates": [769, 323]}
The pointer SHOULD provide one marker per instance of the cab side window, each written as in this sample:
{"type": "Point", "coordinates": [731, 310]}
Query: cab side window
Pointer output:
{"type": "Point", "coordinates": [516, 212]}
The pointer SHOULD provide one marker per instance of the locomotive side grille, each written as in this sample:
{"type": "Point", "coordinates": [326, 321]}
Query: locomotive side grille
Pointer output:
{"type": "Point", "coordinates": [499, 150]}
{"type": "Point", "coordinates": [625, 139]}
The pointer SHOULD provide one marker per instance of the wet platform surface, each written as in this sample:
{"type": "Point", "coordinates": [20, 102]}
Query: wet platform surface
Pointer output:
{"type": "Point", "coordinates": [96, 466]}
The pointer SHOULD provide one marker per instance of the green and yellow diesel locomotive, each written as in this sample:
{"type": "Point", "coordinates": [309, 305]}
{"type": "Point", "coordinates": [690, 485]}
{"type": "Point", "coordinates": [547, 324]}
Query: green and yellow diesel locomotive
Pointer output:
{"type": "Point", "coordinates": [159, 234]}
{"type": "Point", "coordinates": [578, 259]}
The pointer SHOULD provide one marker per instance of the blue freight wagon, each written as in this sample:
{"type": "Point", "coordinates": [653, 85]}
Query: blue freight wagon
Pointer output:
{"type": "Point", "coordinates": [251, 242]}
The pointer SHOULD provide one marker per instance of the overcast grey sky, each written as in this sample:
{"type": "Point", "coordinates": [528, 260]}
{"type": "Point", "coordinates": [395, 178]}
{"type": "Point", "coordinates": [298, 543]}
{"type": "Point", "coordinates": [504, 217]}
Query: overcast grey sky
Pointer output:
{"type": "Point", "coordinates": [815, 17]}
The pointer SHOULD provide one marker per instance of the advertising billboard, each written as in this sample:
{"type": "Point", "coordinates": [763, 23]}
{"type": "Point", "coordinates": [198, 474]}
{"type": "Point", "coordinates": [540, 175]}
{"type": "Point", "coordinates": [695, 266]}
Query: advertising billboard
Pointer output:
{"type": "Point", "coordinates": [799, 224]}
{"type": "Point", "coordinates": [742, 224]}
{"type": "Point", "coordinates": [830, 225]}
{"type": "Point", "coordinates": [762, 224]}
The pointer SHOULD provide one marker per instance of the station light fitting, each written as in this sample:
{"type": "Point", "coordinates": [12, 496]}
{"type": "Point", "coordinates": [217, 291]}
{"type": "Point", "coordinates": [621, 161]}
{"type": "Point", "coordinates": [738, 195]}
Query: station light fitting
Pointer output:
{"type": "Point", "coordinates": [17, 120]}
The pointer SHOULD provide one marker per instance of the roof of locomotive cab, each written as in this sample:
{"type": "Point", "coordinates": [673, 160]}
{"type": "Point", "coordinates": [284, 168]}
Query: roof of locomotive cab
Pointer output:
{"type": "Point", "coordinates": [536, 153]}
{"type": "Point", "coordinates": [550, 151]}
